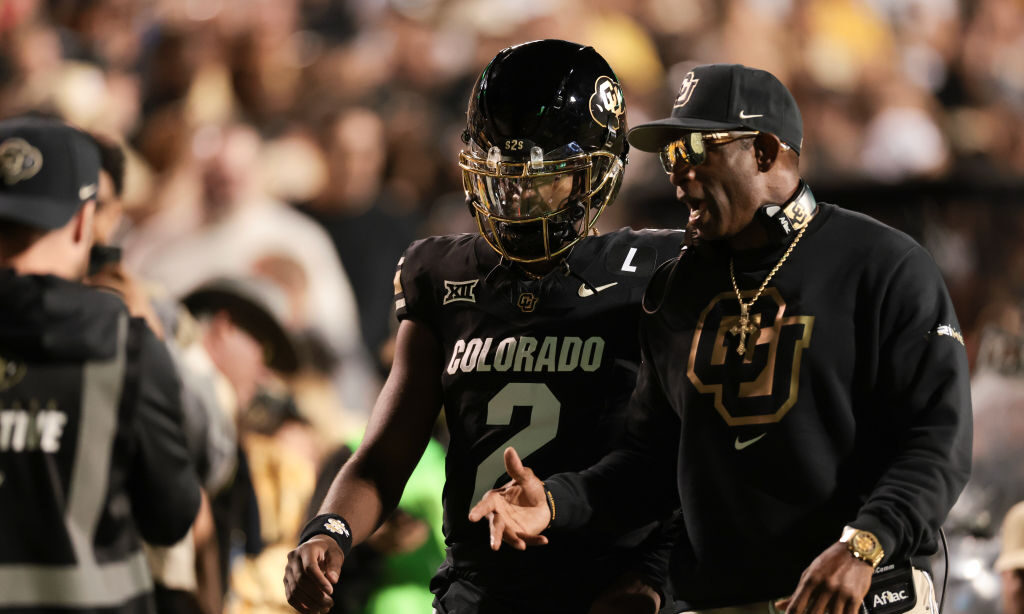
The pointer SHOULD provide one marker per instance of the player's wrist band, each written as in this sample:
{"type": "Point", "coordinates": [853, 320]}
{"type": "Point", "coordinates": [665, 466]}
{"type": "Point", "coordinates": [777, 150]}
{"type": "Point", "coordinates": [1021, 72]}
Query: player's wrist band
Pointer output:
{"type": "Point", "coordinates": [550, 498]}
{"type": "Point", "coordinates": [331, 525]}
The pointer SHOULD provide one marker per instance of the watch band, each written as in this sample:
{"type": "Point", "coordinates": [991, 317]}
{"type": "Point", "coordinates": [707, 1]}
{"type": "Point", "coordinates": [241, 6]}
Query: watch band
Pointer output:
{"type": "Point", "coordinates": [863, 545]}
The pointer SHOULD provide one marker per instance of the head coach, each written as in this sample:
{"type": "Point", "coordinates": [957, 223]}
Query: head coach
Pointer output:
{"type": "Point", "coordinates": [91, 451]}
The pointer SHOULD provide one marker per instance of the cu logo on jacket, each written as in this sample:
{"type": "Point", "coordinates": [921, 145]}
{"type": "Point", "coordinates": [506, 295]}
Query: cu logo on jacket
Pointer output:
{"type": "Point", "coordinates": [763, 384]}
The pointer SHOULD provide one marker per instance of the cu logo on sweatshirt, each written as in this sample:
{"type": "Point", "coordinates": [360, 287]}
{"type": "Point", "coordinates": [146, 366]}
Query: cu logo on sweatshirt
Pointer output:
{"type": "Point", "coordinates": [760, 386]}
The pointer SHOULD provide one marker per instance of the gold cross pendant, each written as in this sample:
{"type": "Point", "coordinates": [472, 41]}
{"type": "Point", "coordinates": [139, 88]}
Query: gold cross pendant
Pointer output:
{"type": "Point", "coordinates": [743, 328]}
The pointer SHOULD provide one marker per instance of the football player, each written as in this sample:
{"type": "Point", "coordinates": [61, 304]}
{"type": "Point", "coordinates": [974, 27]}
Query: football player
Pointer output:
{"type": "Point", "coordinates": [526, 334]}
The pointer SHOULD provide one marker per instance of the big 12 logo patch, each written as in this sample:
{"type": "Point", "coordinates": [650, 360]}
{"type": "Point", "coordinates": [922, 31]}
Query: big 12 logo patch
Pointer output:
{"type": "Point", "coordinates": [760, 386]}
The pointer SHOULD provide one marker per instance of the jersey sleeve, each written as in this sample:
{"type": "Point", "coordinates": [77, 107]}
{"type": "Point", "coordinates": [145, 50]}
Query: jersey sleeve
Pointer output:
{"type": "Point", "coordinates": [925, 406]}
{"type": "Point", "coordinates": [163, 484]}
{"type": "Point", "coordinates": [668, 242]}
{"type": "Point", "coordinates": [413, 284]}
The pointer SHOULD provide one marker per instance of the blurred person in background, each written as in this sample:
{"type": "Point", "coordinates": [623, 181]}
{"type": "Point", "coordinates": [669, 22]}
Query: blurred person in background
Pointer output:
{"type": "Point", "coordinates": [106, 269]}
{"type": "Point", "coordinates": [241, 327]}
{"type": "Point", "coordinates": [997, 476]}
{"type": "Point", "coordinates": [525, 333]}
{"type": "Point", "coordinates": [92, 455]}
{"type": "Point", "coordinates": [368, 226]}
{"type": "Point", "coordinates": [186, 574]}
{"type": "Point", "coordinates": [234, 225]}
{"type": "Point", "coordinates": [1010, 563]}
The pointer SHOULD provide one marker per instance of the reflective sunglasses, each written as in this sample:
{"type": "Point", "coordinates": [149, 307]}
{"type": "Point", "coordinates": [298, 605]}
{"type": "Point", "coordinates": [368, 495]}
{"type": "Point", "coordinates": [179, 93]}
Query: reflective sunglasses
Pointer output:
{"type": "Point", "coordinates": [692, 148]}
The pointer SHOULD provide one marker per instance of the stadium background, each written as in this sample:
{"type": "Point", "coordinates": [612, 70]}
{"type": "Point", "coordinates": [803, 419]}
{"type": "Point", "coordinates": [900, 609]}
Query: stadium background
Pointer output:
{"type": "Point", "coordinates": [351, 113]}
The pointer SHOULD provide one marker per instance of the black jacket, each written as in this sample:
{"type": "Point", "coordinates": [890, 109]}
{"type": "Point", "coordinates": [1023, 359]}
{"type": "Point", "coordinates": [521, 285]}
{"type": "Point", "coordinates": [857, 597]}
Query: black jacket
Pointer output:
{"type": "Point", "coordinates": [91, 450]}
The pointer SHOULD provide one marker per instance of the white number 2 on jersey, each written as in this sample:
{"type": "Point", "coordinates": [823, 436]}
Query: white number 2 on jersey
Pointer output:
{"type": "Point", "coordinates": [544, 411]}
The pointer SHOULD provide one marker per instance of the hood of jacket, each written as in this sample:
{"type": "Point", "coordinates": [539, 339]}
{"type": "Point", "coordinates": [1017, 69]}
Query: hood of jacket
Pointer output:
{"type": "Point", "coordinates": [43, 317]}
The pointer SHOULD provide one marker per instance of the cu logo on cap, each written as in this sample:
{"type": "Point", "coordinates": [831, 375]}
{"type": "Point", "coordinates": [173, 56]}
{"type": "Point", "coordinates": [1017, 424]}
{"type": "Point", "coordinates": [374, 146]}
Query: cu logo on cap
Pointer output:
{"type": "Point", "coordinates": [686, 90]}
{"type": "Point", "coordinates": [19, 160]}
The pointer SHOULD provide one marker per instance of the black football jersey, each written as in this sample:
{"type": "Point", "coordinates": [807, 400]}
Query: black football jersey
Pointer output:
{"type": "Point", "coordinates": [545, 366]}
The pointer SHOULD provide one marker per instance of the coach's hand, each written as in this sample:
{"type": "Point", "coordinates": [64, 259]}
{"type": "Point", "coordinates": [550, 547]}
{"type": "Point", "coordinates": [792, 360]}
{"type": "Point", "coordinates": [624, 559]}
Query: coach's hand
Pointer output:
{"type": "Point", "coordinates": [517, 512]}
{"type": "Point", "coordinates": [312, 571]}
{"type": "Point", "coordinates": [835, 583]}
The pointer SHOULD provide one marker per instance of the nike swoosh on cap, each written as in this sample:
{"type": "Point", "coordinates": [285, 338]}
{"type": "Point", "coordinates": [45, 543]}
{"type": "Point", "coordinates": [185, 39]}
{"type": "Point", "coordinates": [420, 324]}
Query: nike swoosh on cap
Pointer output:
{"type": "Point", "coordinates": [743, 444]}
{"type": "Point", "coordinates": [584, 291]}
{"type": "Point", "coordinates": [745, 116]}
{"type": "Point", "coordinates": [87, 191]}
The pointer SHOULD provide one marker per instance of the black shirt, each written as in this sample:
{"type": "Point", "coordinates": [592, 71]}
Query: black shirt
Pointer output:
{"type": "Point", "coordinates": [853, 407]}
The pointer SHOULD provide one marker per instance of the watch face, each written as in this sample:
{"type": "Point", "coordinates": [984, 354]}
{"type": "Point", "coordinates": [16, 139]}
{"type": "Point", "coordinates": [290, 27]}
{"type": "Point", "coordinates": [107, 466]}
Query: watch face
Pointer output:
{"type": "Point", "coordinates": [864, 543]}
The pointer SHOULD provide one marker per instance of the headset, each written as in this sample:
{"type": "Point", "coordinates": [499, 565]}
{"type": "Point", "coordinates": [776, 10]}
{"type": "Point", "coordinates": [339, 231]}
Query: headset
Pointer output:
{"type": "Point", "coordinates": [781, 221]}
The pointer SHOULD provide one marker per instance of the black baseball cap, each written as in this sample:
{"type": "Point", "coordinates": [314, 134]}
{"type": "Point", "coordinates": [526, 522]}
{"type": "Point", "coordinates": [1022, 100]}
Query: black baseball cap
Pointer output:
{"type": "Point", "coordinates": [48, 169]}
{"type": "Point", "coordinates": [719, 97]}
{"type": "Point", "coordinates": [256, 306]}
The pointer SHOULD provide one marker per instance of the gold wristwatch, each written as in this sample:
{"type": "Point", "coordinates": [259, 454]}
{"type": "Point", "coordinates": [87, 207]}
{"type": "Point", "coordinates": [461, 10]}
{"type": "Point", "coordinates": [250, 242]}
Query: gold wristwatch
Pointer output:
{"type": "Point", "coordinates": [863, 545]}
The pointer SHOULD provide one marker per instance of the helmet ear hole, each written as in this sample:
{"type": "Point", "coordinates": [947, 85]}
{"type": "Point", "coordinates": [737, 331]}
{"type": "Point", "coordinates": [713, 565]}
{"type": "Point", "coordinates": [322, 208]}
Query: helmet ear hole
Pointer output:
{"type": "Point", "coordinates": [610, 138]}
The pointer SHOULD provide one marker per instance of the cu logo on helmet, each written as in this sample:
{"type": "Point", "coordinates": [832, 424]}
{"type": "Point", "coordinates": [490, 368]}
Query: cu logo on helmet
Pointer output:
{"type": "Point", "coordinates": [607, 103]}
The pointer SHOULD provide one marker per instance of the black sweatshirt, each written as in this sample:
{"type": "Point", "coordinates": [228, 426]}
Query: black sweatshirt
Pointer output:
{"type": "Point", "coordinates": [851, 407]}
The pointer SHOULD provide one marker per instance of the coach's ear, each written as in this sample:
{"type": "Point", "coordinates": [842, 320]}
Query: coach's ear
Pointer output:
{"type": "Point", "coordinates": [766, 151]}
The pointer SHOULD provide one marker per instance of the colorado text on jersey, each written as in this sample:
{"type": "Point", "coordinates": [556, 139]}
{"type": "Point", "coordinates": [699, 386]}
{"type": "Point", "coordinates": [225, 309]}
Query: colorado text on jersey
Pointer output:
{"type": "Point", "coordinates": [527, 354]}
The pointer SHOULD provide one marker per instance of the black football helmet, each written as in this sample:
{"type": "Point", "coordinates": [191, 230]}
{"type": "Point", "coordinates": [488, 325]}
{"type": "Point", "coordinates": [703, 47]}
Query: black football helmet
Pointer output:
{"type": "Point", "coordinates": [546, 147]}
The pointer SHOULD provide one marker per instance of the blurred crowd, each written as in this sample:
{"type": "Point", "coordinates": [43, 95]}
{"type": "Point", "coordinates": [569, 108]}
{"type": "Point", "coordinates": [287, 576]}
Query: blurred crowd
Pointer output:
{"type": "Point", "coordinates": [283, 153]}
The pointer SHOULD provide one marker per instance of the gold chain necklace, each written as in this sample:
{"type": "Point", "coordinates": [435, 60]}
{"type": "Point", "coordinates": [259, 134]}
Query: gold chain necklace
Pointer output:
{"type": "Point", "coordinates": [744, 327]}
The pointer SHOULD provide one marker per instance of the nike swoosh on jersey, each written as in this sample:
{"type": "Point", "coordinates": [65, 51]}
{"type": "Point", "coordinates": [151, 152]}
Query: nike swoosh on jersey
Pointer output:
{"type": "Point", "coordinates": [743, 444]}
{"type": "Point", "coordinates": [745, 116]}
{"type": "Point", "coordinates": [584, 291]}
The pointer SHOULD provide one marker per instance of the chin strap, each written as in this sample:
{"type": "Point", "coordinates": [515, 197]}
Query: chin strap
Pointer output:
{"type": "Point", "coordinates": [503, 265]}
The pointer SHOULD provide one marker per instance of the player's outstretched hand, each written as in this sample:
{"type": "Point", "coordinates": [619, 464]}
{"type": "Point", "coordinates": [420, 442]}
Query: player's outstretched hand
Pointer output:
{"type": "Point", "coordinates": [312, 571]}
{"type": "Point", "coordinates": [517, 512]}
